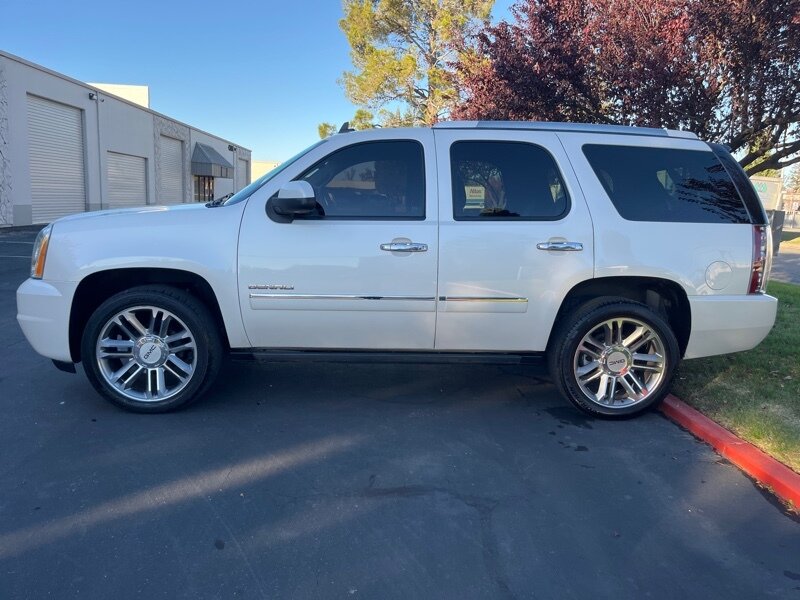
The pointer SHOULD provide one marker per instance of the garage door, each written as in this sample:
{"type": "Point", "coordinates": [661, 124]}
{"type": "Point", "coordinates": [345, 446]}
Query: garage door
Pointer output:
{"type": "Point", "coordinates": [171, 188]}
{"type": "Point", "coordinates": [55, 136]}
{"type": "Point", "coordinates": [241, 174]}
{"type": "Point", "coordinates": [127, 180]}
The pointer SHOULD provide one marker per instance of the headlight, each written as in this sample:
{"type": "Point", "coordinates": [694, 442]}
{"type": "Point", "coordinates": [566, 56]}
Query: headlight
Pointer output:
{"type": "Point", "coordinates": [40, 252]}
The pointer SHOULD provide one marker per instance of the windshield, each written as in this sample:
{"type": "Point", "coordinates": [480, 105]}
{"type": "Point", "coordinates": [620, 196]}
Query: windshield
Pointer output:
{"type": "Point", "coordinates": [246, 192]}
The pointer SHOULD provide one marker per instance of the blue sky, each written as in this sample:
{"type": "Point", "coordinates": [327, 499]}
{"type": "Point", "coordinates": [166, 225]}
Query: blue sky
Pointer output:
{"type": "Point", "coordinates": [261, 74]}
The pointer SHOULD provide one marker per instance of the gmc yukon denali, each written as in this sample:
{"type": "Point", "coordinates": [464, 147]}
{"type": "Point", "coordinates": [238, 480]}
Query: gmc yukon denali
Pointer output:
{"type": "Point", "coordinates": [611, 253]}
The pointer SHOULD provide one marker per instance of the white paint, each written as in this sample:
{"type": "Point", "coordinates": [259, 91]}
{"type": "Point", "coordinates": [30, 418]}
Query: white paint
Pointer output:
{"type": "Point", "coordinates": [719, 275]}
{"type": "Point", "coordinates": [340, 257]}
{"type": "Point", "coordinates": [332, 272]}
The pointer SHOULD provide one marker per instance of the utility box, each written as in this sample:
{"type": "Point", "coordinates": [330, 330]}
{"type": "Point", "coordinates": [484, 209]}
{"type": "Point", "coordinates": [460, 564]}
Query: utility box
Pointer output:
{"type": "Point", "coordinates": [769, 191]}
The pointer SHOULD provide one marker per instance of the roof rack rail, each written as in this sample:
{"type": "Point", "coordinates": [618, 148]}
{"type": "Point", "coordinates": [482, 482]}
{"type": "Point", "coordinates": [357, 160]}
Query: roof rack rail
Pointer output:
{"type": "Point", "coordinates": [566, 127]}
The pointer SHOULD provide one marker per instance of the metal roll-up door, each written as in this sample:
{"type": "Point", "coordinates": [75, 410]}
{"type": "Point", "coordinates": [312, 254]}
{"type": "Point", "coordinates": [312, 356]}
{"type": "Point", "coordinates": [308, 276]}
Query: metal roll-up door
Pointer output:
{"type": "Point", "coordinates": [171, 169]}
{"type": "Point", "coordinates": [241, 174]}
{"type": "Point", "coordinates": [127, 180]}
{"type": "Point", "coordinates": [55, 137]}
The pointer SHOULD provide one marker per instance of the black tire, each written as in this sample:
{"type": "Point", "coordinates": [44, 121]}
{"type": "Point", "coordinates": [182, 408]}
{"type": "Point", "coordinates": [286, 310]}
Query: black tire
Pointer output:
{"type": "Point", "coordinates": [584, 319]}
{"type": "Point", "coordinates": [194, 315]}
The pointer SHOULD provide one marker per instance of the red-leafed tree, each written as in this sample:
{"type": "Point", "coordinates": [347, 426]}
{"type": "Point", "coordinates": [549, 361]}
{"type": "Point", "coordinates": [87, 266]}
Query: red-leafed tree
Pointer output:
{"type": "Point", "coordinates": [729, 70]}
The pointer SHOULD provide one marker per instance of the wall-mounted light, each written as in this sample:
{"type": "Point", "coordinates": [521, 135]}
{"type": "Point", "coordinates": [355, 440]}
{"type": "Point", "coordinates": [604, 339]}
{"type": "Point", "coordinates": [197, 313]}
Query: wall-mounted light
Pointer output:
{"type": "Point", "coordinates": [92, 96]}
{"type": "Point", "coordinates": [232, 148]}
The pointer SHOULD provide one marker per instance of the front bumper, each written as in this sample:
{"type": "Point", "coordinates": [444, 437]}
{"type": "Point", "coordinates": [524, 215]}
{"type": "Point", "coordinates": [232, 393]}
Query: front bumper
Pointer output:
{"type": "Point", "coordinates": [43, 309]}
{"type": "Point", "coordinates": [725, 324]}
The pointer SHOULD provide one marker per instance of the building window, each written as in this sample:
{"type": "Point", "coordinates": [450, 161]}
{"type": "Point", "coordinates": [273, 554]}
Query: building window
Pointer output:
{"type": "Point", "coordinates": [203, 188]}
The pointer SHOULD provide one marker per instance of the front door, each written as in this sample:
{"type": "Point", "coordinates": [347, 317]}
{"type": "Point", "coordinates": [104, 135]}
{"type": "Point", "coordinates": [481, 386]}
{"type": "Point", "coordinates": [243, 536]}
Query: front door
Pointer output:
{"type": "Point", "coordinates": [361, 274]}
{"type": "Point", "coordinates": [515, 236]}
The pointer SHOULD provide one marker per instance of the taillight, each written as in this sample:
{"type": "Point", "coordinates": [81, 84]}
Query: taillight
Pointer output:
{"type": "Point", "coordinates": [758, 272]}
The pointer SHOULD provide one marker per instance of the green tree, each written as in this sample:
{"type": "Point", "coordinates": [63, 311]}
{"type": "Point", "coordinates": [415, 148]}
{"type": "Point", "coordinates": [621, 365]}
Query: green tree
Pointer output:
{"type": "Point", "coordinates": [403, 51]}
{"type": "Point", "coordinates": [326, 130]}
{"type": "Point", "coordinates": [363, 119]}
{"type": "Point", "coordinates": [793, 181]}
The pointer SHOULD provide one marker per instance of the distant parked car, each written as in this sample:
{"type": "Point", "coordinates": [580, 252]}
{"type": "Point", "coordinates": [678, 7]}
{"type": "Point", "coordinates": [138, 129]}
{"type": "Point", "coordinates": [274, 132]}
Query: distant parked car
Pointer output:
{"type": "Point", "coordinates": [610, 252]}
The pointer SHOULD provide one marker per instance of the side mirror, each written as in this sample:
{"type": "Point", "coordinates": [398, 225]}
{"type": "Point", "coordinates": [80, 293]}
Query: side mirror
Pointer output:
{"type": "Point", "coordinates": [294, 199]}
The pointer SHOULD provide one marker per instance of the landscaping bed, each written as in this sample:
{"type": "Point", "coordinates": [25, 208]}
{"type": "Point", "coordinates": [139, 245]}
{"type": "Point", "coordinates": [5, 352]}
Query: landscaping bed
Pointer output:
{"type": "Point", "coordinates": [755, 394]}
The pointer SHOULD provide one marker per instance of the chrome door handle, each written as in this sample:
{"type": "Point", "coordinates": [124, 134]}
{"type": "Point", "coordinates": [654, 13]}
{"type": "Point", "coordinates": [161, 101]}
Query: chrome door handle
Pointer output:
{"type": "Point", "coordinates": [560, 246]}
{"type": "Point", "coordinates": [404, 247]}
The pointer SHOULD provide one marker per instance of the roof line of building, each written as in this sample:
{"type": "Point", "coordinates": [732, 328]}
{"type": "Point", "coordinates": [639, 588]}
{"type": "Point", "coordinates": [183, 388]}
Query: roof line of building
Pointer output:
{"type": "Point", "coordinates": [34, 65]}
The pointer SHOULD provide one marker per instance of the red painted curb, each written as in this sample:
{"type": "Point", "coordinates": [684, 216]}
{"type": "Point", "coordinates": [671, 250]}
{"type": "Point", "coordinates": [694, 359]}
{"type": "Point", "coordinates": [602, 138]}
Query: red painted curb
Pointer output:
{"type": "Point", "coordinates": [784, 482]}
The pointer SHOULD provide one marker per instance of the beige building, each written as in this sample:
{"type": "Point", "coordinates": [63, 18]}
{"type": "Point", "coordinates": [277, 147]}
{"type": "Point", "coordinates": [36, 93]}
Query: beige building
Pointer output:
{"type": "Point", "coordinates": [67, 146]}
{"type": "Point", "coordinates": [138, 94]}
{"type": "Point", "coordinates": [260, 167]}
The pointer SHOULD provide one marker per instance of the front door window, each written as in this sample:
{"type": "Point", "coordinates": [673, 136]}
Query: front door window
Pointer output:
{"type": "Point", "coordinates": [373, 180]}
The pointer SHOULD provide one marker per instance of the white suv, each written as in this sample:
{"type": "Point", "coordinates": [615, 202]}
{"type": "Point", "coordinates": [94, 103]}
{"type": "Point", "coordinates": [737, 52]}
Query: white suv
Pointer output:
{"type": "Point", "coordinates": [612, 252]}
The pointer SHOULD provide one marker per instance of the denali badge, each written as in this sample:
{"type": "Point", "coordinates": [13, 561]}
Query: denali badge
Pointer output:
{"type": "Point", "coordinates": [270, 286]}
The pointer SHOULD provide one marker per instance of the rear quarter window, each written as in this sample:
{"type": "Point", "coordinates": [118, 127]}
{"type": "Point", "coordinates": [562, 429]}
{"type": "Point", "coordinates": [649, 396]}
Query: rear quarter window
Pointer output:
{"type": "Point", "coordinates": [666, 184]}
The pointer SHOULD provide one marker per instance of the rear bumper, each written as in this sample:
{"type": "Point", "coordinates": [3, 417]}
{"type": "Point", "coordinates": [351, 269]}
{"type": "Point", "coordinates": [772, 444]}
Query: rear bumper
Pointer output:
{"type": "Point", "coordinates": [43, 309]}
{"type": "Point", "coordinates": [725, 324]}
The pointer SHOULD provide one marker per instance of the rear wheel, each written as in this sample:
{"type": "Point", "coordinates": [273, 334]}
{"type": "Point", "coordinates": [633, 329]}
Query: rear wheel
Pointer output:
{"type": "Point", "coordinates": [151, 349]}
{"type": "Point", "coordinates": [614, 357]}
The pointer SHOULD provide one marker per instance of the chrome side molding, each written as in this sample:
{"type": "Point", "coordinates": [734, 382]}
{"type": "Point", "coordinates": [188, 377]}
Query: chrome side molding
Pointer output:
{"type": "Point", "coordinates": [480, 299]}
{"type": "Point", "coordinates": [337, 297]}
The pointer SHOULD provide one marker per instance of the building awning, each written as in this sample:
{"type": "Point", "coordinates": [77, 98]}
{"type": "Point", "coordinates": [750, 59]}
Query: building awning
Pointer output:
{"type": "Point", "coordinates": [208, 162]}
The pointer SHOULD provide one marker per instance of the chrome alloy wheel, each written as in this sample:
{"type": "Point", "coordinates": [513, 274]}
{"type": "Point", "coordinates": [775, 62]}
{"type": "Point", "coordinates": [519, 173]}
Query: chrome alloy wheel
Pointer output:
{"type": "Point", "coordinates": [620, 362]}
{"type": "Point", "coordinates": [146, 353]}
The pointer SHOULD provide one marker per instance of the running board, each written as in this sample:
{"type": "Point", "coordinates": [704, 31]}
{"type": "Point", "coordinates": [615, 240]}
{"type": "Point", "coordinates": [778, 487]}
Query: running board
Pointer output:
{"type": "Point", "coordinates": [398, 356]}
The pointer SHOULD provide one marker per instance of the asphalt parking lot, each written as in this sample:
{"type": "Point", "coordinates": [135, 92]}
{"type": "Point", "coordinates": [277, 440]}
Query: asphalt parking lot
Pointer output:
{"type": "Point", "coordinates": [786, 265]}
{"type": "Point", "coordinates": [370, 481]}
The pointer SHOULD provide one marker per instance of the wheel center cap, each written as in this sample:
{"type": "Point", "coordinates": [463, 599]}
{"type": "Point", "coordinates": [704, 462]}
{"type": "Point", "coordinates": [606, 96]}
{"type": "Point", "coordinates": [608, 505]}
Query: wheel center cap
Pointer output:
{"type": "Point", "coordinates": [617, 361]}
{"type": "Point", "coordinates": [150, 351]}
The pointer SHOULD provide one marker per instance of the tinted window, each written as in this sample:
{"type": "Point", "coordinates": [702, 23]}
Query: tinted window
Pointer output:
{"type": "Point", "coordinates": [664, 184]}
{"type": "Point", "coordinates": [509, 180]}
{"type": "Point", "coordinates": [743, 185]}
{"type": "Point", "coordinates": [373, 180]}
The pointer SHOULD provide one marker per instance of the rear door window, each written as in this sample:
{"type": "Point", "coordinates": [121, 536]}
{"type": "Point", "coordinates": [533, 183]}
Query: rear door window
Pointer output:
{"type": "Point", "coordinates": [505, 180]}
{"type": "Point", "coordinates": [666, 184]}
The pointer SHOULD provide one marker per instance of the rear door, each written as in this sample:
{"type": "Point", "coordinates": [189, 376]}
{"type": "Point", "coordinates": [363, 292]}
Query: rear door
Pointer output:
{"type": "Point", "coordinates": [515, 235]}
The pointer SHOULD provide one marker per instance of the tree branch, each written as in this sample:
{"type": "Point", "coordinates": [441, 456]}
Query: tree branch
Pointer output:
{"type": "Point", "coordinates": [773, 161]}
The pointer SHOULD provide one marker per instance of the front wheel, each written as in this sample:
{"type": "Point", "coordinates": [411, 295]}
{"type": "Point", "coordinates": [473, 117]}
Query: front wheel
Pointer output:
{"type": "Point", "coordinates": [151, 349]}
{"type": "Point", "coordinates": [614, 358]}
